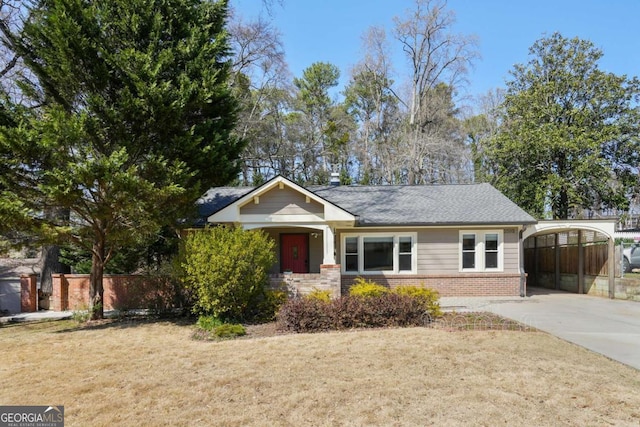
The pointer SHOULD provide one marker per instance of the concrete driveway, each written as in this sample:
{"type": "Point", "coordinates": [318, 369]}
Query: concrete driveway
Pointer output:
{"type": "Point", "coordinates": [609, 327]}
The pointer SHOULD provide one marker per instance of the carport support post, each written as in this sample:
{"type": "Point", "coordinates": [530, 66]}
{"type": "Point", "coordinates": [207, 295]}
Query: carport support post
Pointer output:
{"type": "Point", "coordinates": [611, 261]}
{"type": "Point", "coordinates": [580, 264]}
{"type": "Point", "coordinates": [536, 260]}
{"type": "Point", "coordinates": [557, 261]}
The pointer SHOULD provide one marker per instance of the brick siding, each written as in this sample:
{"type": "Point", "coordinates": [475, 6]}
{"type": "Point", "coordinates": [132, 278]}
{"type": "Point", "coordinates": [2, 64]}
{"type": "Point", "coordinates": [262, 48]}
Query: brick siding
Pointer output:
{"type": "Point", "coordinates": [471, 285]}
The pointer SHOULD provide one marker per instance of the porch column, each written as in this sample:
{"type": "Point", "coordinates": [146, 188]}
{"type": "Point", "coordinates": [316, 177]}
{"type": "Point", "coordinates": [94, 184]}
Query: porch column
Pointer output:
{"type": "Point", "coordinates": [329, 246]}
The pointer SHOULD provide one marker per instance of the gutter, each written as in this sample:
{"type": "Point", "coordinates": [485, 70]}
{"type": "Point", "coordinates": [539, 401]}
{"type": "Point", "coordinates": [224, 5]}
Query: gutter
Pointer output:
{"type": "Point", "coordinates": [523, 274]}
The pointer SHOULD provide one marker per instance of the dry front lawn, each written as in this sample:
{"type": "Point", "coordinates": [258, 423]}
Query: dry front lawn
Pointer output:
{"type": "Point", "coordinates": [154, 373]}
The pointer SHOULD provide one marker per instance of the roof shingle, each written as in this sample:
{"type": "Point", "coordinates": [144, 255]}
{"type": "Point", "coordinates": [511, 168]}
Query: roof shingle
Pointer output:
{"type": "Point", "coordinates": [464, 204]}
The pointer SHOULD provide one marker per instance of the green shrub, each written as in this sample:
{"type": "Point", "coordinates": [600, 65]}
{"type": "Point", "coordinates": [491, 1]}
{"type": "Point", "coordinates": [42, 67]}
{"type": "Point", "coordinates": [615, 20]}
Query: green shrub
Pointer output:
{"type": "Point", "coordinates": [226, 269]}
{"type": "Point", "coordinates": [267, 305]}
{"type": "Point", "coordinates": [366, 288]}
{"type": "Point", "coordinates": [427, 296]}
{"type": "Point", "coordinates": [211, 327]}
{"type": "Point", "coordinates": [208, 323]}
{"type": "Point", "coordinates": [320, 295]}
{"type": "Point", "coordinates": [229, 330]}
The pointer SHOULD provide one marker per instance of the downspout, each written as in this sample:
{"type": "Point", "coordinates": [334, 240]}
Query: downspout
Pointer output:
{"type": "Point", "coordinates": [523, 274]}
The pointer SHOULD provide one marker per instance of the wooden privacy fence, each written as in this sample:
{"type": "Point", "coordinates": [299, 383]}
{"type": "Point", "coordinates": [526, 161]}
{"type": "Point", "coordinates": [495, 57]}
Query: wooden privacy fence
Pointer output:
{"type": "Point", "coordinates": [541, 251]}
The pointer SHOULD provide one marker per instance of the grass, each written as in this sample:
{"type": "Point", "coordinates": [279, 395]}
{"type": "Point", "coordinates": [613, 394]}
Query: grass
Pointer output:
{"type": "Point", "coordinates": [154, 373]}
{"type": "Point", "coordinates": [633, 275]}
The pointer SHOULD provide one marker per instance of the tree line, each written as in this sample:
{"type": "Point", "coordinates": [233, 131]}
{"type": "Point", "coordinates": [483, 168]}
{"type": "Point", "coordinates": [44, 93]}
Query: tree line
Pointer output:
{"type": "Point", "coordinates": [382, 131]}
{"type": "Point", "coordinates": [561, 139]}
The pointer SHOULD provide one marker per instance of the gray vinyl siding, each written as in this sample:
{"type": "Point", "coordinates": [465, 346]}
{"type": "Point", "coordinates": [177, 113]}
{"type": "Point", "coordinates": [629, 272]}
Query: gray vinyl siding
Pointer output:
{"type": "Point", "coordinates": [511, 248]}
{"type": "Point", "coordinates": [438, 251]}
{"type": "Point", "coordinates": [282, 202]}
{"type": "Point", "coordinates": [438, 248]}
{"type": "Point", "coordinates": [316, 254]}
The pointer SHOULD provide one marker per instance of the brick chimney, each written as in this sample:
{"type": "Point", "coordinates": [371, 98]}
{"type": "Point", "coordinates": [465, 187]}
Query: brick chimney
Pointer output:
{"type": "Point", "coordinates": [335, 179]}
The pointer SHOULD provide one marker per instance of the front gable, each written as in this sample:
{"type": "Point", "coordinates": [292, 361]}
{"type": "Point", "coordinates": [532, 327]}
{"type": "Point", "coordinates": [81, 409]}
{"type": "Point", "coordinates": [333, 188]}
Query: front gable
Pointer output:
{"type": "Point", "coordinates": [281, 201]}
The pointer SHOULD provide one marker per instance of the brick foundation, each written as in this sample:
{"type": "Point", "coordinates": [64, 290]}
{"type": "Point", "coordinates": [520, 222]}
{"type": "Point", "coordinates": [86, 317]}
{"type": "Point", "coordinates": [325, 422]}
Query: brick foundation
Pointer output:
{"type": "Point", "coordinates": [486, 284]}
{"type": "Point", "coordinates": [301, 284]}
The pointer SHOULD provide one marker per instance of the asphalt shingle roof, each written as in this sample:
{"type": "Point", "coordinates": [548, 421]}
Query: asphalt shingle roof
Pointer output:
{"type": "Point", "coordinates": [472, 204]}
{"type": "Point", "coordinates": [218, 198]}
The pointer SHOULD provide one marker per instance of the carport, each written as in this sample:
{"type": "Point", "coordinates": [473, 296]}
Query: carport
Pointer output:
{"type": "Point", "coordinates": [571, 255]}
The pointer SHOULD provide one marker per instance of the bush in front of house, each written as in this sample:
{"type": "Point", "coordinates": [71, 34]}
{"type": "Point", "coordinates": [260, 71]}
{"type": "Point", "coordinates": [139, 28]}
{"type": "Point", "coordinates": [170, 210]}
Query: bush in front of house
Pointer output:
{"type": "Point", "coordinates": [366, 288]}
{"type": "Point", "coordinates": [266, 305]}
{"type": "Point", "coordinates": [229, 330]}
{"type": "Point", "coordinates": [210, 327]}
{"type": "Point", "coordinates": [306, 315]}
{"type": "Point", "coordinates": [386, 310]}
{"type": "Point", "coordinates": [226, 270]}
{"type": "Point", "coordinates": [320, 295]}
{"type": "Point", "coordinates": [427, 296]}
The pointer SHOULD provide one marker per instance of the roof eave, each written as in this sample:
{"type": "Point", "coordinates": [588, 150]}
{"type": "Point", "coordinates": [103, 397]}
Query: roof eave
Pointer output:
{"type": "Point", "coordinates": [445, 224]}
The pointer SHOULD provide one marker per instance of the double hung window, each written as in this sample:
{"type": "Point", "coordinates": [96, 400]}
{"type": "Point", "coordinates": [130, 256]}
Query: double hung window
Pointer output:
{"type": "Point", "coordinates": [481, 250]}
{"type": "Point", "coordinates": [379, 253]}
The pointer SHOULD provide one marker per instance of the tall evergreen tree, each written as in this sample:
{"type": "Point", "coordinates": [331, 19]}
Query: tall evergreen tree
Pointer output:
{"type": "Point", "coordinates": [134, 121]}
{"type": "Point", "coordinates": [569, 135]}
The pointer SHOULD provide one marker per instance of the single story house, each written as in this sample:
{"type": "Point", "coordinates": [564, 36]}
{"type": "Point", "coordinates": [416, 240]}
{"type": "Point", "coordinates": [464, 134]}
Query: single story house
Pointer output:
{"type": "Point", "coordinates": [462, 240]}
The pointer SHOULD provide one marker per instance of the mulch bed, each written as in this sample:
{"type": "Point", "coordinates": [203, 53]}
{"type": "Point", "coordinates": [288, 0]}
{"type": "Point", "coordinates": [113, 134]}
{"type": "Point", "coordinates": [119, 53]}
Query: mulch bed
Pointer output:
{"type": "Point", "coordinates": [450, 321]}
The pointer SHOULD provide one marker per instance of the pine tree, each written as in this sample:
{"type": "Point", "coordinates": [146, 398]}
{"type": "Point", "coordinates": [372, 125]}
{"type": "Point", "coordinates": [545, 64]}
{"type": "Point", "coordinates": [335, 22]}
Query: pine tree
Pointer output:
{"type": "Point", "coordinates": [133, 121]}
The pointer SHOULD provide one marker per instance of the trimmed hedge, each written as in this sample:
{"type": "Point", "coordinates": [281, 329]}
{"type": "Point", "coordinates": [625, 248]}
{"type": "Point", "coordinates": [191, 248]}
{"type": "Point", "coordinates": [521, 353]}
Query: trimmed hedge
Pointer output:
{"type": "Point", "coordinates": [386, 310]}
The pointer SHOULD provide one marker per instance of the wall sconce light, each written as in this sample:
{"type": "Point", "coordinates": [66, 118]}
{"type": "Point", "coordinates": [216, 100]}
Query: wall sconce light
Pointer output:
{"type": "Point", "coordinates": [314, 235]}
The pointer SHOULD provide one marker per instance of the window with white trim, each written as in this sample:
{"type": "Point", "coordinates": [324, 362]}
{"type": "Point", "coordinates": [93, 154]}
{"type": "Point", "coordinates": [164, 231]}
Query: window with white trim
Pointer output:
{"type": "Point", "coordinates": [371, 253]}
{"type": "Point", "coordinates": [351, 254]}
{"type": "Point", "coordinates": [481, 250]}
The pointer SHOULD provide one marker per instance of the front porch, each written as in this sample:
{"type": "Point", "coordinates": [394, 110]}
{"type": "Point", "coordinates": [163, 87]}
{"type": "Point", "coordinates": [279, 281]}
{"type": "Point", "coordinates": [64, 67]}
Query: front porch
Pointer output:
{"type": "Point", "coordinates": [296, 284]}
{"type": "Point", "coordinates": [305, 260]}
{"type": "Point", "coordinates": [302, 224]}
{"type": "Point", "coordinates": [300, 249]}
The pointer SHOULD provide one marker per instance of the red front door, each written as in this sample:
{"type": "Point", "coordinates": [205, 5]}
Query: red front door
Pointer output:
{"type": "Point", "coordinates": [294, 253]}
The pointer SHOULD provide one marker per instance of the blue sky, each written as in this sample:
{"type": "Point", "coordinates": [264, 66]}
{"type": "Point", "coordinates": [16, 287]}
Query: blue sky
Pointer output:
{"type": "Point", "coordinates": [331, 30]}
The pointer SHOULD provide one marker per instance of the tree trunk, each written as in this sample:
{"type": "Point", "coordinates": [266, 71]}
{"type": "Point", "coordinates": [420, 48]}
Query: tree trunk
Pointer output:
{"type": "Point", "coordinates": [563, 205]}
{"type": "Point", "coordinates": [50, 254]}
{"type": "Point", "coordinates": [96, 289]}
{"type": "Point", "coordinates": [50, 264]}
